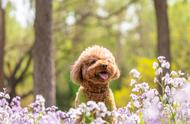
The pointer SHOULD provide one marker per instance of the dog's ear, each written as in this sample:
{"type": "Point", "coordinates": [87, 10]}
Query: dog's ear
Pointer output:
{"type": "Point", "coordinates": [76, 73]}
{"type": "Point", "coordinates": [116, 74]}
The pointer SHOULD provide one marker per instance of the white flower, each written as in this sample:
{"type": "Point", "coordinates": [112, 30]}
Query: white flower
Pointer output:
{"type": "Point", "coordinates": [128, 105]}
{"type": "Point", "coordinates": [134, 97]}
{"type": "Point", "coordinates": [181, 73]}
{"type": "Point", "coordinates": [133, 81]}
{"type": "Point", "coordinates": [182, 95]}
{"type": "Point", "coordinates": [155, 65]}
{"type": "Point", "coordinates": [136, 88]}
{"type": "Point", "coordinates": [98, 121]}
{"type": "Point", "coordinates": [167, 90]}
{"type": "Point", "coordinates": [134, 73]}
{"type": "Point", "coordinates": [173, 90]}
{"type": "Point", "coordinates": [161, 58]}
{"type": "Point", "coordinates": [150, 94]}
{"type": "Point", "coordinates": [178, 82]}
{"type": "Point", "coordinates": [155, 91]}
{"type": "Point", "coordinates": [102, 107]}
{"type": "Point", "coordinates": [160, 105]}
{"type": "Point", "coordinates": [146, 103]}
{"type": "Point", "coordinates": [174, 73]}
{"type": "Point", "coordinates": [165, 65]}
{"type": "Point", "coordinates": [92, 105]}
{"type": "Point", "coordinates": [74, 113]}
{"type": "Point", "coordinates": [40, 98]}
{"type": "Point", "coordinates": [134, 119]}
{"type": "Point", "coordinates": [151, 112]}
{"type": "Point", "coordinates": [166, 79]}
{"type": "Point", "coordinates": [156, 80]}
{"type": "Point", "coordinates": [137, 104]}
{"type": "Point", "coordinates": [155, 100]}
{"type": "Point", "coordinates": [82, 106]}
{"type": "Point", "coordinates": [145, 86]}
{"type": "Point", "coordinates": [159, 71]}
{"type": "Point", "coordinates": [4, 94]}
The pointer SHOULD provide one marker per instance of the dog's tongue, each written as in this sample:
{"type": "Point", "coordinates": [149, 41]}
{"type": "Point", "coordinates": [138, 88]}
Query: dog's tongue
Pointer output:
{"type": "Point", "coordinates": [103, 75]}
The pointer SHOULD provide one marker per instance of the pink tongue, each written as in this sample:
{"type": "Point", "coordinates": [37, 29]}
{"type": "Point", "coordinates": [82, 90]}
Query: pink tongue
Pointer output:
{"type": "Point", "coordinates": [103, 76]}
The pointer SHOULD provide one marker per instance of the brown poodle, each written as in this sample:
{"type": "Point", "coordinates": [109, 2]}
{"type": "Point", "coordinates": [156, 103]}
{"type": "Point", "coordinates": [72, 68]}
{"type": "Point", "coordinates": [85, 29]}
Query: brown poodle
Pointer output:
{"type": "Point", "coordinates": [93, 71]}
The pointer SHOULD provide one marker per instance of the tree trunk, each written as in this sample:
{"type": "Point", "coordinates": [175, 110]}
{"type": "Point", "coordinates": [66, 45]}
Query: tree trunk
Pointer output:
{"type": "Point", "coordinates": [163, 33]}
{"type": "Point", "coordinates": [44, 68]}
{"type": "Point", "coordinates": [2, 44]}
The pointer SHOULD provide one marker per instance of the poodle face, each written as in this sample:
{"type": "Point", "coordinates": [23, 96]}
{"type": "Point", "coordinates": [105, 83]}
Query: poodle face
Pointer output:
{"type": "Point", "coordinates": [98, 70]}
{"type": "Point", "coordinates": [96, 64]}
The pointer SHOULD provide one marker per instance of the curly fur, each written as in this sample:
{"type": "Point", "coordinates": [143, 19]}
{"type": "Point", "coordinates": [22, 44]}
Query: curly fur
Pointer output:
{"type": "Point", "coordinates": [93, 71]}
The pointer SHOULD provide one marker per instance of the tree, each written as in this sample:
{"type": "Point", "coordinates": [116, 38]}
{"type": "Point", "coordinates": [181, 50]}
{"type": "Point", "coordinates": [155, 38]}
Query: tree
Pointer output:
{"type": "Point", "coordinates": [44, 77]}
{"type": "Point", "coordinates": [18, 74]}
{"type": "Point", "coordinates": [163, 32]}
{"type": "Point", "coordinates": [2, 44]}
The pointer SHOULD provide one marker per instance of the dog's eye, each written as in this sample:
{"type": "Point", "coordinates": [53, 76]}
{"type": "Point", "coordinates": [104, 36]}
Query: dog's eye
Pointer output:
{"type": "Point", "coordinates": [109, 61]}
{"type": "Point", "coordinates": [92, 61]}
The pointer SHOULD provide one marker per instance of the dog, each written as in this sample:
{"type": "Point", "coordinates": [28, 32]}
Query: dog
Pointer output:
{"type": "Point", "coordinates": [93, 71]}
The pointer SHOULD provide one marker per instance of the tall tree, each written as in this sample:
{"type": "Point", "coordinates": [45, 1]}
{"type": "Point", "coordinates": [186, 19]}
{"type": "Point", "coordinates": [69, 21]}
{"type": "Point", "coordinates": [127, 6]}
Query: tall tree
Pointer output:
{"type": "Point", "coordinates": [2, 44]}
{"type": "Point", "coordinates": [44, 76]}
{"type": "Point", "coordinates": [163, 32]}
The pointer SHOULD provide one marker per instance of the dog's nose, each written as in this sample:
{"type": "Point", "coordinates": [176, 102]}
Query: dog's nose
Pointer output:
{"type": "Point", "coordinates": [104, 65]}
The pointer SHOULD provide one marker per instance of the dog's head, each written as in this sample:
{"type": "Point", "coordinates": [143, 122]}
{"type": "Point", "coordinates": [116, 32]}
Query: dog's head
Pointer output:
{"type": "Point", "coordinates": [95, 64]}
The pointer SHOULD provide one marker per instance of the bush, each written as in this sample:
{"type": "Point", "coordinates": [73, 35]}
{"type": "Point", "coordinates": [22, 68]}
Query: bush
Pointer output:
{"type": "Point", "coordinates": [146, 106]}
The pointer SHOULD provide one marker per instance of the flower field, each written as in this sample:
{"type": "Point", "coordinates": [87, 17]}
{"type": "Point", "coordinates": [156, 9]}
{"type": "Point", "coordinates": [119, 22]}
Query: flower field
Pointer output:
{"type": "Point", "coordinates": [146, 106]}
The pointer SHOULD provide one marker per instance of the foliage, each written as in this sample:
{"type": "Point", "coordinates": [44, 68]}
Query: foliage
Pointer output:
{"type": "Point", "coordinates": [179, 28]}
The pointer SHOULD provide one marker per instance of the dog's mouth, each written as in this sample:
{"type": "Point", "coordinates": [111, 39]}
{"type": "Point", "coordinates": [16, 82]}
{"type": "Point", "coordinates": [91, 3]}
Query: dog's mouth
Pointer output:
{"type": "Point", "coordinates": [103, 75]}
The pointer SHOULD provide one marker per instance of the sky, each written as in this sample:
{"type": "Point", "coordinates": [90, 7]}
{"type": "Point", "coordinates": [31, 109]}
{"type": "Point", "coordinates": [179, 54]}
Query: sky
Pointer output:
{"type": "Point", "coordinates": [21, 11]}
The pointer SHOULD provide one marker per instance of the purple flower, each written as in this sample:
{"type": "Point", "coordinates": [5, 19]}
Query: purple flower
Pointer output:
{"type": "Point", "coordinates": [133, 81]}
{"type": "Point", "coordinates": [159, 71]}
{"type": "Point", "coordinates": [98, 121]}
{"type": "Point", "coordinates": [135, 73]}
{"type": "Point", "coordinates": [146, 104]}
{"type": "Point", "coordinates": [134, 97]}
{"type": "Point", "coordinates": [137, 104]}
{"type": "Point", "coordinates": [167, 90]}
{"type": "Point", "coordinates": [155, 65]}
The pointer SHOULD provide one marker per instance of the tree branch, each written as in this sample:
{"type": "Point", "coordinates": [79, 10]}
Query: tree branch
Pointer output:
{"type": "Point", "coordinates": [12, 77]}
{"type": "Point", "coordinates": [21, 77]}
{"type": "Point", "coordinates": [26, 94]}
{"type": "Point", "coordinates": [117, 11]}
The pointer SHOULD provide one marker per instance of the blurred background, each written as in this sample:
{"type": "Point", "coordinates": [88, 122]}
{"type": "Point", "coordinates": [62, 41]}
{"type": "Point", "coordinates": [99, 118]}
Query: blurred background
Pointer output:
{"type": "Point", "coordinates": [40, 40]}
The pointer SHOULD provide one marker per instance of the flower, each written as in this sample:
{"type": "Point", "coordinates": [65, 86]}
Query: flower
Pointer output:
{"type": "Point", "coordinates": [165, 65]}
{"type": "Point", "coordinates": [133, 81]}
{"type": "Point", "coordinates": [161, 59]}
{"type": "Point", "coordinates": [98, 121]}
{"type": "Point", "coordinates": [174, 73]}
{"type": "Point", "coordinates": [137, 104]}
{"type": "Point", "coordinates": [151, 113]}
{"type": "Point", "coordinates": [182, 95]}
{"type": "Point", "coordinates": [159, 71]}
{"type": "Point", "coordinates": [145, 106]}
{"type": "Point", "coordinates": [134, 73]}
{"type": "Point", "coordinates": [167, 90]}
{"type": "Point", "coordinates": [134, 97]}
{"type": "Point", "coordinates": [155, 65]}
